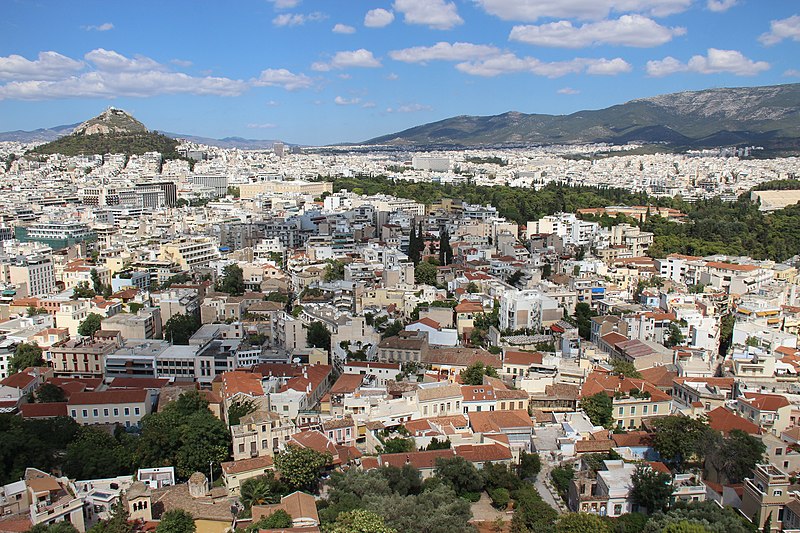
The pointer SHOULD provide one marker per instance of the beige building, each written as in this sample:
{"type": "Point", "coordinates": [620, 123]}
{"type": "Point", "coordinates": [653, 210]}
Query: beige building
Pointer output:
{"type": "Point", "coordinates": [190, 252]}
{"type": "Point", "coordinates": [124, 407]}
{"type": "Point", "coordinates": [83, 357]}
{"type": "Point", "coordinates": [633, 400]}
{"type": "Point", "coordinates": [145, 324]}
{"type": "Point", "coordinates": [316, 188]}
{"type": "Point", "coordinates": [261, 433]}
{"type": "Point", "coordinates": [766, 494]}
{"type": "Point", "coordinates": [234, 473]}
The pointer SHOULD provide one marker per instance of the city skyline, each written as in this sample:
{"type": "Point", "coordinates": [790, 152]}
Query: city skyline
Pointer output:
{"type": "Point", "coordinates": [313, 72]}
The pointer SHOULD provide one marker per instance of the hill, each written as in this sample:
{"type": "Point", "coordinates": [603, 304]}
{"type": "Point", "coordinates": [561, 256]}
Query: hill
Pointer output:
{"type": "Point", "coordinates": [766, 116]}
{"type": "Point", "coordinates": [113, 131]}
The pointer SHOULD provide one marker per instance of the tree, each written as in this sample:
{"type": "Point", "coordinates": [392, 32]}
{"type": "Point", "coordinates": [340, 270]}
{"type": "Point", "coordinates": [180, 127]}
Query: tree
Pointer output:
{"type": "Point", "coordinates": [581, 523]}
{"type": "Point", "coordinates": [25, 355]}
{"type": "Point", "coordinates": [318, 335]}
{"type": "Point", "coordinates": [360, 521]}
{"type": "Point", "coordinates": [768, 523]}
{"type": "Point", "coordinates": [49, 393]}
{"type": "Point", "coordinates": [625, 368]}
{"type": "Point", "coordinates": [731, 459]}
{"type": "Point", "coordinates": [473, 374]}
{"type": "Point", "coordinates": [677, 438]}
{"type": "Point", "coordinates": [398, 445]}
{"type": "Point", "coordinates": [278, 520]}
{"type": "Point", "coordinates": [684, 527]}
{"type": "Point", "coordinates": [176, 521]}
{"type": "Point", "coordinates": [415, 245]}
{"type": "Point", "coordinates": [404, 481]}
{"type": "Point", "coordinates": [599, 409]}
{"type": "Point", "coordinates": [500, 497]}
{"type": "Point", "coordinates": [459, 474]}
{"type": "Point", "coordinates": [514, 278]}
{"type": "Point", "coordinates": [392, 329]}
{"type": "Point", "coordinates": [651, 488]}
{"type": "Point", "coordinates": [707, 514]}
{"type": "Point", "coordinates": [562, 476]}
{"type": "Point", "coordinates": [583, 319]}
{"type": "Point", "coordinates": [300, 467]}
{"type": "Point", "coordinates": [531, 513]}
{"type": "Point", "coordinates": [238, 409]}
{"type": "Point", "coordinates": [425, 273]}
{"type": "Point", "coordinates": [90, 325]}
{"type": "Point", "coordinates": [95, 454]}
{"type": "Point", "coordinates": [445, 250]}
{"type": "Point", "coordinates": [334, 270]}
{"type": "Point", "coordinates": [97, 283]}
{"type": "Point", "coordinates": [56, 527]}
{"type": "Point", "coordinates": [675, 336]}
{"type": "Point", "coordinates": [436, 444]}
{"type": "Point", "coordinates": [179, 328]}
{"type": "Point", "coordinates": [529, 465]}
{"type": "Point", "coordinates": [472, 287]}
{"type": "Point", "coordinates": [262, 490]}
{"type": "Point", "coordinates": [232, 280]}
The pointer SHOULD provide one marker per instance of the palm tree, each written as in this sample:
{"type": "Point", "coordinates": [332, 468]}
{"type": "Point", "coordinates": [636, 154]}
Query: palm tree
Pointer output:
{"type": "Point", "coordinates": [260, 490]}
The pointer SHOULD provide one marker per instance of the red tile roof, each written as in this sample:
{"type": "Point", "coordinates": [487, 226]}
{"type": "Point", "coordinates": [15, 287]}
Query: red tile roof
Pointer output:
{"type": "Point", "coordinates": [44, 410]}
{"type": "Point", "coordinates": [481, 453]}
{"type": "Point", "coordinates": [247, 465]}
{"type": "Point", "coordinates": [611, 384]}
{"type": "Point", "coordinates": [522, 358]}
{"type": "Point", "coordinates": [109, 397]}
{"type": "Point", "coordinates": [418, 460]}
{"type": "Point", "coordinates": [497, 421]}
{"type": "Point", "coordinates": [765, 402]}
{"type": "Point", "coordinates": [725, 421]}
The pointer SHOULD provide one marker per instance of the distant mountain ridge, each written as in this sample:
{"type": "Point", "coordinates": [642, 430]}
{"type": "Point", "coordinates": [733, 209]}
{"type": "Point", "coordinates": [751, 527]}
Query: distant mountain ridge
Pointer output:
{"type": "Point", "coordinates": [767, 116]}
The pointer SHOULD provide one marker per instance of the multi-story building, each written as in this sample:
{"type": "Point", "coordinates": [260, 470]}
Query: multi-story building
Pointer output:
{"type": "Point", "coordinates": [190, 252]}
{"type": "Point", "coordinates": [33, 275]}
{"type": "Point", "coordinates": [145, 324]}
{"type": "Point", "coordinates": [57, 235]}
{"type": "Point", "coordinates": [84, 357]}
{"type": "Point", "coordinates": [765, 496]}
{"type": "Point", "coordinates": [633, 400]}
{"type": "Point", "coordinates": [124, 407]}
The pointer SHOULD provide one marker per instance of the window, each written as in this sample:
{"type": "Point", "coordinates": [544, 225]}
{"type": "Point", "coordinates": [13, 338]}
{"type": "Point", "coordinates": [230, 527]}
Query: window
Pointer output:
{"type": "Point", "coordinates": [241, 448]}
{"type": "Point", "coordinates": [502, 405]}
{"type": "Point", "coordinates": [778, 451]}
{"type": "Point", "coordinates": [777, 493]}
{"type": "Point", "coordinates": [620, 410]}
{"type": "Point", "coordinates": [633, 409]}
{"type": "Point", "coordinates": [520, 405]}
{"type": "Point", "coordinates": [644, 410]}
{"type": "Point", "coordinates": [74, 414]}
{"type": "Point", "coordinates": [136, 411]}
{"type": "Point", "coordinates": [116, 412]}
{"type": "Point", "coordinates": [105, 412]}
{"type": "Point", "coordinates": [617, 509]}
{"type": "Point", "coordinates": [655, 408]}
{"type": "Point", "coordinates": [85, 413]}
{"type": "Point", "coordinates": [127, 411]}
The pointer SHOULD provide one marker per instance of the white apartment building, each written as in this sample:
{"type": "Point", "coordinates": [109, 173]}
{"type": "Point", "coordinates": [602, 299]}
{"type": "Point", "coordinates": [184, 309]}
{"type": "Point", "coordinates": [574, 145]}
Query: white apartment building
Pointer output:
{"type": "Point", "coordinates": [530, 309]}
{"type": "Point", "coordinates": [190, 252]}
{"type": "Point", "coordinates": [33, 275]}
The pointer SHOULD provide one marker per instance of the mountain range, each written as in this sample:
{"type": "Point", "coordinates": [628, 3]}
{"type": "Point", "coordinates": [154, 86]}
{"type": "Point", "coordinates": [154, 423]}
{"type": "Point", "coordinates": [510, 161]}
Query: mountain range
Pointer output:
{"type": "Point", "coordinates": [767, 116]}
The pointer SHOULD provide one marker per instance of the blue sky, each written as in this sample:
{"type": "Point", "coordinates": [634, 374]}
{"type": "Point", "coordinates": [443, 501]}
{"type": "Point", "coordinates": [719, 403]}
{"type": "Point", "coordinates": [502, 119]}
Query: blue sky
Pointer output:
{"type": "Point", "coordinates": [327, 71]}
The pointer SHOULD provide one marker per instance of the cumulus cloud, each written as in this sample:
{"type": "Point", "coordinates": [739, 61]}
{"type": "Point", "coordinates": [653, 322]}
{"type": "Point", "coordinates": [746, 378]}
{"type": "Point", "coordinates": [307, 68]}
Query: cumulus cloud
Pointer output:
{"type": "Point", "coordinates": [343, 28]}
{"type": "Point", "coordinates": [714, 62]}
{"type": "Point", "coordinates": [443, 51]}
{"type": "Point", "coordinates": [392, 76]}
{"type": "Point", "coordinates": [509, 63]}
{"type": "Point", "coordinates": [360, 58]}
{"type": "Point", "coordinates": [436, 14]}
{"type": "Point", "coordinates": [378, 18]}
{"type": "Point", "coordinates": [340, 100]}
{"type": "Point", "coordinates": [533, 10]}
{"type": "Point", "coordinates": [720, 5]}
{"type": "Point", "coordinates": [48, 66]}
{"type": "Point", "coordinates": [267, 125]}
{"type": "Point", "coordinates": [628, 30]}
{"type": "Point", "coordinates": [181, 63]}
{"type": "Point", "coordinates": [283, 78]}
{"type": "Point", "coordinates": [112, 61]}
{"type": "Point", "coordinates": [409, 108]}
{"type": "Point", "coordinates": [792, 73]}
{"type": "Point", "coordinates": [568, 90]}
{"type": "Point", "coordinates": [297, 19]}
{"type": "Point", "coordinates": [788, 28]}
{"type": "Point", "coordinates": [106, 26]}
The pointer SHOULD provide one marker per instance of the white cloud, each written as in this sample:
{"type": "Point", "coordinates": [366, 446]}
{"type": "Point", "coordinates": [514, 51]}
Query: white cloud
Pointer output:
{"type": "Point", "coordinates": [509, 63]}
{"type": "Point", "coordinates": [297, 19]}
{"type": "Point", "coordinates": [436, 14]}
{"type": "Point", "coordinates": [443, 51]}
{"type": "Point", "coordinates": [267, 125]}
{"type": "Point", "coordinates": [607, 67]}
{"type": "Point", "coordinates": [181, 63]}
{"type": "Point", "coordinates": [282, 78]}
{"type": "Point", "coordinates": [714, 62]}
{"type": "Point", "coordinates": [343, 28]}
{"type": "Point", "coordinates": [284, 4]}
{"type": "Point", "coordinates": [360, 58]}
{"type": "Point", "coordinates": [788, 28]}
{"type": "Point", "coordinates": [110, 60]}
{"type": "Point", "coordinates": [344, 76]}
{"type": "Point", "coordinates": [412, 108]}
{"type": "Point", "coordinates": [568, 90]}
{"type": "Point", "coordinates": [533, 10]}
{"type": "Point", "coordinates": [628, 30]}
{"type": "Point", "coordinates": [106, 26]}
{"type": "Point", "coordinates": [720, 5]}
{"type": "Point", "coordinates": [378, 18]}
{"type": "Point", "coordinates": [368, 105]}
{"type": "Point", "coordinates": [392, 76]}
{"type": "Point", "coordinates": [272, 103]}
{"type": "Point", "coordinates": [339, 100]}
{"type": "Point", "coordinates": [48, 66]}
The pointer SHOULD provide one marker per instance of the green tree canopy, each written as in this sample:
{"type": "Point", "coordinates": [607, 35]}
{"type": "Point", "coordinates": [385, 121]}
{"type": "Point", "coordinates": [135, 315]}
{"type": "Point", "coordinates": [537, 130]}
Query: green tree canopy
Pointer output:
{"type": "Point", "coordinates": [301, 467]}
{"type": "Point", "coordinates": [360, 521]}
{"type": "Point", "coordinates": [262, 490]}
{"type": "Point", "coordinates": [581, 523]}
{"type": "Point", "coordinates": [625, 368]}
{"type": "Point", "coordinates": [398, 445]}
{"type": "Point", "coordinates": [318, 336]}
{"type": "Point", "coordinates": [232, 281]}
{"type": "Point", "coordinates": [25, 355]}
{"type": "Point", "coordinates": [83, 290]}
{"type": "Point", "coordinates": [96, 454]}
{"type": "Point", "coordinates": [598, 408]}
{"type": "Point", "coordinates": [731, 459]}
{"type": "Point", "coordinates": [473, 374]}
{"type": "Point", "coordinates": [49, 393]}
{"type": "Point", "coordinates": [334, 270]}
{"type": "Point", "coordinates": [651, 488]}
{"type": "Point", "coordinates": [179, 328]}
{"type": "Point", "coordinates": [176, 521]}
{"type": "Point", "coordinates": [425, 273]}
{"type": "Point", "coordinates": [238, 409]}
{"type": "Point", "coordinates": [678, 438]}
{"type": "Point", "coordinates": [90, 325]}
{"type": "Point", "coordinates": [278, 520]}
{"type": "Point", "coordinates": [57, 527]}
{"type": "Point", "coordinates": [459, 474]}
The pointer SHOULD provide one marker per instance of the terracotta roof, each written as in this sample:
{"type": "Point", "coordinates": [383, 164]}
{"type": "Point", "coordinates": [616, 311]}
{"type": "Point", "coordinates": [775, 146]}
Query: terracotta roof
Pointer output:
{"type": "Point", "coordinates": [613, 338]}
{"type": "Point", "coordinates": [442, 391]}
{"type": "Point", "coordinates": [481, 453]}
{"type": "Point", "coordinates": [43, 410]}
{"type": "Point", "coordinates": [469, 307]}
{"type": "Point", "coordinates": [316, 441]}
{"type": "Point", "coordinates": [247, 465]}
{"type": "Point", "coordinates": [477, 393]}
{"type": "Point", "coordinates": [20, 380]}
{"type": "Point", "coordinates": [373, 364]}
{"type": "Point", "coordinates": [239, 382]}
{"type": "Point", "coordinates": [522, 358]}
{"type": "Point", "coordinates": [497, 421]}
{"type": "Point", "coordinates": [731, 266]}
{"type": "Point", "coordinates": [428, 322]}
{"type": "Point", "coordinates": [610, 384]}
{"type": "Point", "coordinates": [511, 394]}
{"type": "Point", "coordinates": [109, 397]}
{"type": "Point", "coordinates": [764, 402]}
{"type": "Point", "coordinates": [298, 505]}
{"type": "Point", "coordinates": [725, 421]}
{"type": "Point", "coordinates": [335, 423]}
{"type": "Point", "coordinates": [419, 460]}
{"type": "Point", "coordinates": [632, 439]}
{"type": "Point", "coordinates": [660, 376]}
{"type": "Point", "coordinates": [593, 446]}
{"type": "Point", "coordinates": [658, 466]}
{"type": "Point", "coordinates": [347, 383]}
